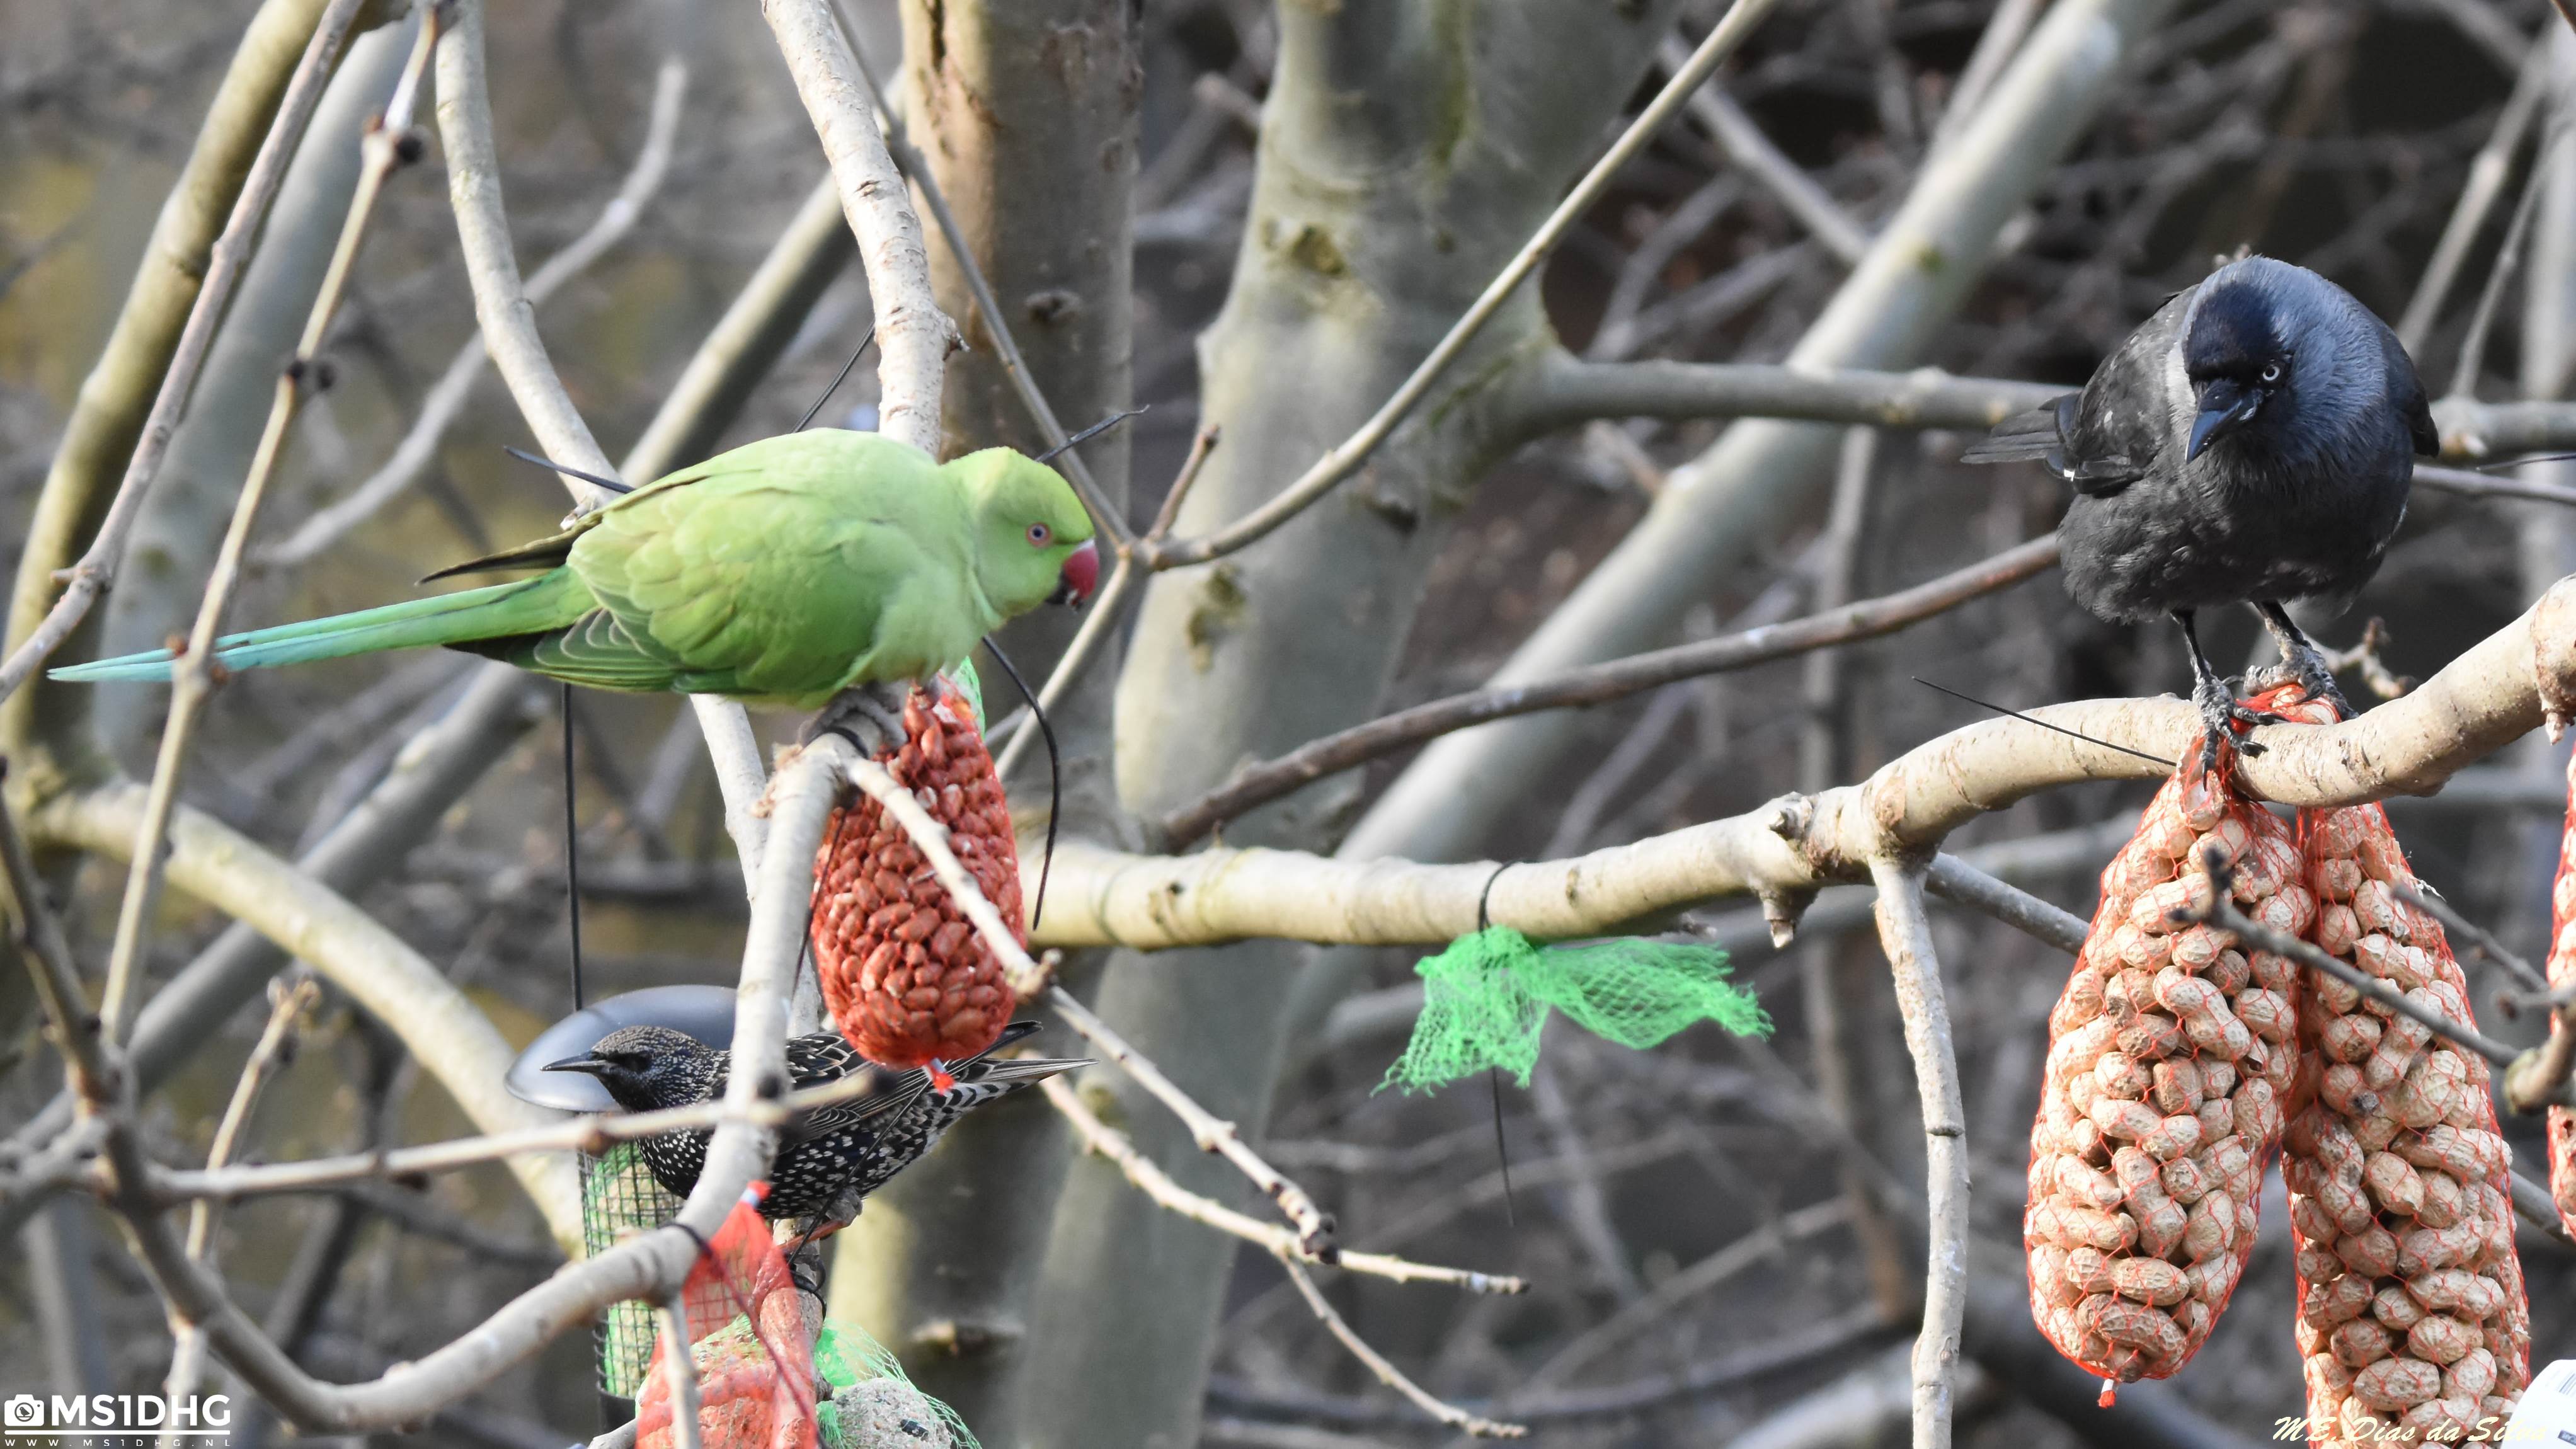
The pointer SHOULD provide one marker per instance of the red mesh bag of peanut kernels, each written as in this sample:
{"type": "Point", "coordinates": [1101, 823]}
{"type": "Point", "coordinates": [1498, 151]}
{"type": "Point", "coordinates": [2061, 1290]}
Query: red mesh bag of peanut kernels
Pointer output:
{"type": "Point", "coordinates": [2412, 1323]}
{"type": "Point", "coordinates": [2562, 974]}
{"type": "Point", "coordinates": [907, 979]}
{"type": "Point", "coordinates": [2171, 1054]}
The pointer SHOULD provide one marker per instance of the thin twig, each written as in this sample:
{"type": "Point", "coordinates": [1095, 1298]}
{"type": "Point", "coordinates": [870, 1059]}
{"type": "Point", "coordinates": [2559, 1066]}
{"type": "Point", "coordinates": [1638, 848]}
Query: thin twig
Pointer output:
{"type": "Point", "coordinates": [1027, 978]}
{"type": "Point", "coordinates": [1746, 146]}
{"type": "Point", "coordinates": [509, 331]}
{"type": "Point", "coordinates": [287, 1005]}
{"type": "Point", "coordinates": [1905, 931]}
{"type": "Point", "coordinates": [591, 1134]}
{"type": "Point", "coordinates": [446, 399]}
{"type": "Point", "coordinates": [1388, 1374]}
{"type": "Point", "coordinates": [1260, 783]}
{"type": "Point", "coordinates": [2472, 484]}
{"type": "Point", "coordinates": [231, 254]}
{"type": "Point", "coordinates": [2517, 233]}
{"type": "Point", "coordinates": [2478, 193]}
{"type": "Point", "coordinates": [1739, 21]}
{"type": "Point", "coordinates": [88, 1059]}
{"type": "Point", "coordinates": [2480, 939]}
{"type": "Point", "coordinates": [388, 146]}
{"type": "Point", "coordinates": [1111, 603]}
{"type": "Point", "coordinates": [1024, 975]}
{"type": "Point", "coordinates": [2220, 913]}
{"type": "Point", "coordinates": [1150, 1179]}
{"type": "Point", "coordinates": [908, 160]}
{"type": "Point", "coordinates": [680, 1371]}
{"type": "Point", "coordinates": [2364, 656]}
{"type": "Point", "coordinates": [1315, 1231]}
{"type": "Point", "coordinates": [1956, 881]}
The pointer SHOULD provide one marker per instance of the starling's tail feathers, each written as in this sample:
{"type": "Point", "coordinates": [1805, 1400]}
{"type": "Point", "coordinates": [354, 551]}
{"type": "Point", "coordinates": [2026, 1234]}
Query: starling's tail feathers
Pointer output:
{"type": "Point", "coordinates": [531, 606]}
{"type": "Point", "coordinates": [2024, 436]}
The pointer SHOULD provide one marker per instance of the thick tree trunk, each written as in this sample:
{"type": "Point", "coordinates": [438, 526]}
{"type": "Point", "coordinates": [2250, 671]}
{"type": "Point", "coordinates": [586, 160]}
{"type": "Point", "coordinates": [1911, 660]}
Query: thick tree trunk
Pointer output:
{"type": "Point", "coordinates": [1405, 153]}
{"type": "Point", "coordinates": [1026, 113]}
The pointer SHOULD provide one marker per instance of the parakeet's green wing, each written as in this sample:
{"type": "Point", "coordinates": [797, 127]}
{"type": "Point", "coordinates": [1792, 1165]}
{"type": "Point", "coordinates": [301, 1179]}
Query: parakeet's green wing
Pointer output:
{"type": "Point", "coordinates": [818, 561]}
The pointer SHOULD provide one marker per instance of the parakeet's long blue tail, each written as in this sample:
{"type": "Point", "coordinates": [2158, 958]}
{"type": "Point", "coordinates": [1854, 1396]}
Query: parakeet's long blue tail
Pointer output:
{"type": "Point", "coordinates": [532, 606]}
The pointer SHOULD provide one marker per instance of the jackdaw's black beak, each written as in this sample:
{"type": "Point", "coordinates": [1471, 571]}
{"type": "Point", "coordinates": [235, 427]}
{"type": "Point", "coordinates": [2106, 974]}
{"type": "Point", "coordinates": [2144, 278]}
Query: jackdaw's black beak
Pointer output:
{"type": "Point", "coordinates": [586, 1064]}
{"type": "Point", "coordinates": [2224, 407]}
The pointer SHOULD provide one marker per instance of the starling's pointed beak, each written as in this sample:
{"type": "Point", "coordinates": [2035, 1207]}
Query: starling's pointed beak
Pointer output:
{"type": "Point", "coordinates": [586, 1064]}
{"type": "Point", "coordinates": [1081, 575]}
{"type": "Point", "coordinates": [2224, 407]}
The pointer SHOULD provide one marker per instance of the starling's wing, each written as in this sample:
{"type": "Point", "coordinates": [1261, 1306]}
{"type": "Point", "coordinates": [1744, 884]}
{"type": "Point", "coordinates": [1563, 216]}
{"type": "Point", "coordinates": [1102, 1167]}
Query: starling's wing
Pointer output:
{"type": "Point", "coordinates": [814, 1061]}
{"type": "Point", "coordinates": [2406, 394]}
{"type": "Point", "coordinates": [2123, 424]}
{"type": "Point", "coordinates": [1012, 1035]}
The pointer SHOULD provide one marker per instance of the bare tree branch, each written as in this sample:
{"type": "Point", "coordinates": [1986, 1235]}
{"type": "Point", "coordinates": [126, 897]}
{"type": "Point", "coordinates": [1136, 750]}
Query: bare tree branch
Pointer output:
{"type": "Point", "coordinates": [1098, 1136]}
{"type": "Point", "coordinates": [446, 398]}
{"type": "Point", "coordinates": [1906, 934]}
{"type": "Point", "coordinates": [913, 336]}
{"type": "Point", "coordinates": [2486, 698]}
{"type": "Point", "coordinates": [438, 1023]}
{"type": "Point", "coordinates": [1315, 1230]}
{"type": "Point", "coordinates": [1386, 1371]}
{"type": "Point", "coordinates": [1104, 512]}
{"type": "Point", "coordinates": [1746, 146]}
{"type": "Point", "coordinates": [509, 326]}
{"type": "Point", "coordinates": [187, 272]}
{"type": "Point", "coordinates": [1724, 507]}
{"type": "Point", "coordinates": [193, 673]}
{"type": "Point", "coordinates": [1741, 17]}
{"type": "Point", "coordinates": [1600, 683]}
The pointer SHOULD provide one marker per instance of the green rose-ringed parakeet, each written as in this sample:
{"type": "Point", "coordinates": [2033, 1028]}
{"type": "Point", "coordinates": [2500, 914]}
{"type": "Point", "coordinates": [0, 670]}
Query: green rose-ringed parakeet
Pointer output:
{"type": "Point", "coordinates": [783, 573]}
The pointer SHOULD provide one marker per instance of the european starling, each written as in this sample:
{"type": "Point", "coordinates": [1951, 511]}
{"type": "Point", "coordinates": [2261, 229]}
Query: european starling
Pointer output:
{"type": "Point", "coordinates": [828, 1159]}
{"type": "Point", "coordinates": [2252, 442]}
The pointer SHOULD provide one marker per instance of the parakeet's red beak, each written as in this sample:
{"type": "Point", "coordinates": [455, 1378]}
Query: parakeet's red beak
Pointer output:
{"type": "Point", "coordinates": [1081, 576]}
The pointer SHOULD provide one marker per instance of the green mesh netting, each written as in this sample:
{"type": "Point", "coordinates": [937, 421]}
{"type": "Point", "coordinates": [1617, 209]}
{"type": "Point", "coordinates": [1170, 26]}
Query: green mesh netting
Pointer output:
{"type": "Point", "coordinates": [969, 684]}
{"type": "Point", "coordinates": [619, 1196]}
{"type": "Point", "coordinates": [873, 1405]}
{"type": "Point", "coordinates": [1486, 999]}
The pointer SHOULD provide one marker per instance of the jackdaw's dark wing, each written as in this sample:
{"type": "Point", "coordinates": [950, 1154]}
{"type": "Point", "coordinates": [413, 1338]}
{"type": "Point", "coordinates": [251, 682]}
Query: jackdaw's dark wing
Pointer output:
{"type": "Point", "coordinates": [2124, 423]}
{"type": "Point", "coordinates": [2109, 435]}
{"type": "Point", "coordinates": [2038, 433]}
{"type": "Point", "coordinates": [2406, 394]}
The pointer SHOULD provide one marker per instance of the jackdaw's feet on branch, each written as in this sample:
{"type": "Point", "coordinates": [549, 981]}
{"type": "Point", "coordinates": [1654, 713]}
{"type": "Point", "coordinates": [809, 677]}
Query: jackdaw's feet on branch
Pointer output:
{"type": "Point", "coordinates": [869, 716]}
{"type": "Point", "coordinates": [2301, 659]}
{"type": "Point", "coordinates": [2220, 712]}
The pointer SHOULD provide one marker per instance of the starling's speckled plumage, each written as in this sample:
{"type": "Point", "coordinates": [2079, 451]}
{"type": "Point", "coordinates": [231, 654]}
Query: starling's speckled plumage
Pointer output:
{"type": "Point", "coordinates": [829, 1159]}
{"type": "Point", "coordinates": [2252, 442]}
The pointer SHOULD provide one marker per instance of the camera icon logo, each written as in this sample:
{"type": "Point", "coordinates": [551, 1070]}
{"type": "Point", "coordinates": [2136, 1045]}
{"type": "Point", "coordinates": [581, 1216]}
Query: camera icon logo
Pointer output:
{"type": "Point", "coordinates": [25, 1411]}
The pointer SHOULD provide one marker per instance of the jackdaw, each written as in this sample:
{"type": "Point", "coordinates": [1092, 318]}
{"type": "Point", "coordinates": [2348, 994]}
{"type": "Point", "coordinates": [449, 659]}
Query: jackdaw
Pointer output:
{"type": "Point", "coordinates": [2251, 443]}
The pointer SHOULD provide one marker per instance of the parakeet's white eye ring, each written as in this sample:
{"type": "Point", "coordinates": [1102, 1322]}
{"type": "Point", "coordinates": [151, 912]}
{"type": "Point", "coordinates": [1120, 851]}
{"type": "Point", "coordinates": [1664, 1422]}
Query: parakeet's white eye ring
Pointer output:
{"type": "Point", "coordinates": [1040, 535]}
{"type": "Point", "coordinates": [2271, 372]}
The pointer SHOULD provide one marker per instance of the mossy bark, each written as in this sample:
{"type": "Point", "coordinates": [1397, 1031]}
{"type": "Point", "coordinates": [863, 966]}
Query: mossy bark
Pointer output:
{"type": "Point", "coordinates": [1406, 152]}
{"type": "Point", "coordinates": [1026, 113]}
